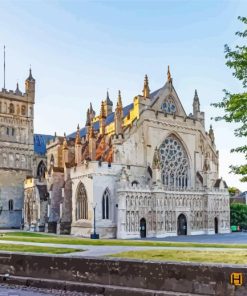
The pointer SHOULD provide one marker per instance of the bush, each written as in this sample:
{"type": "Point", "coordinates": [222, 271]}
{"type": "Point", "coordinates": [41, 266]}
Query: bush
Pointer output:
{"type": "Point", "coordinates": [239, 215]}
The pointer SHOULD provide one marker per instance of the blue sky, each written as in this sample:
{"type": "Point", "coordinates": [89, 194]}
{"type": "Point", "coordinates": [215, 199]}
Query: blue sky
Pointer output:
{"type": "Point", "coordinates": [79, 49]}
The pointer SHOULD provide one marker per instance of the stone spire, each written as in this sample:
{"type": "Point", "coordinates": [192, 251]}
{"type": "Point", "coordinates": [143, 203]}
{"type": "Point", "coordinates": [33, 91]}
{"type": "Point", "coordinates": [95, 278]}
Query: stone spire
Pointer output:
{"type": "Point", "coordinates": [17, 91]}
{"type": "Point", "coordinates": [30, 77]}
{"type": "Point", "coordinates": [78, 138]}
{"type": "Point", "coordinates": [108, 100]}
{"type": "Point", "coordinates": [88, 118]}
{"type": "Point", "coordinates": [102, 110]}
{"type": "Point", "coordinates": [92, 143]}
{"type": "Point", "coordinates": [118, 116]}
{"type": "Point", "coordinates": [65, 143]}
{"type": "Point", "coordinates": [102, 118]}
{"type": "Point", "coordinates": [30, 86]}
{"type": "Point", "coordinates": [78, 146]}
{"type": "Point", "coordinates": [119, 101]}
{"type": "Point", "coordinates": [169, 77]}
{"type": "Point", "coordinates": [91, 131]}
{"type": "Point", "coordinates": [196, 104]}
{"type": "Point", "coordinates": [65, 151]}
{"type": "Point", "coordinates": [107, 104]}
{"type": "Point", "coordinates": [211, 134]}
{"type": "Point", "coordinates": [91, 111]}
{"type": "Point", "coordinates": [146, 89]}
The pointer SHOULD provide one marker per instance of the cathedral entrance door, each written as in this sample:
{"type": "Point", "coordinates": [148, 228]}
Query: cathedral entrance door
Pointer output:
{"type": "Point", "coordinates": [216, 225]}
{"type": "Point", "coordinates": [143, 228]}
{"type": "Point", "coordinates": [182, 225]}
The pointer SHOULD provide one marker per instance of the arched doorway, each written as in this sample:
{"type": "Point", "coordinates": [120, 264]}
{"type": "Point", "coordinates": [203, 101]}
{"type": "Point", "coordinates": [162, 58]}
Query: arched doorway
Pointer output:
{"type": "Point", "coordinates": [182, 225]}
{"type": "Point", "coordinates": [143, 231]}
{"type": "Point", "coordinates": [216, 225]}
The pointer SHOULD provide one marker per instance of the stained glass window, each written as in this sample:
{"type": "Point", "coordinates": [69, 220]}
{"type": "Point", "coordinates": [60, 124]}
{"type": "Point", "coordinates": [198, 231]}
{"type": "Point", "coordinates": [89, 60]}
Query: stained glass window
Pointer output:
{"type": "Point", "coordinates": [174, 163]}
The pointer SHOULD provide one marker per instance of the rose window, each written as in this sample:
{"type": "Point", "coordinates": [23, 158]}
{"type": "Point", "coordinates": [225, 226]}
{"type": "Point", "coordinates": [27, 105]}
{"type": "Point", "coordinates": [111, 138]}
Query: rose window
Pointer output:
{"type": "Point", "coordinates": [168, 105]}
{"type": "Point", "coordinates": [174, 163]}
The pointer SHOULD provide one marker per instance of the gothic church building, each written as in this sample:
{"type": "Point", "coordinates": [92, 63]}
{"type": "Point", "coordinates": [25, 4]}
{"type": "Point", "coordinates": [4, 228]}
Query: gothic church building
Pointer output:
{"type": "Point", "coordinates": [147, 169]}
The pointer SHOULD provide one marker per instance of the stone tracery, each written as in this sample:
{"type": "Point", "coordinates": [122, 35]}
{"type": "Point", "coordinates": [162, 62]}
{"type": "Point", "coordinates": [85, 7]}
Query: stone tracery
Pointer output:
{"type": "Point", "coordinates": [81, 203]}
{"type": "Point", "coordinates": [174, 163]}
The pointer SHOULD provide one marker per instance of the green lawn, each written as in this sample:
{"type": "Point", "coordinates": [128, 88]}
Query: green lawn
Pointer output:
{"type": "Point", "coordinates": [239, 257]}
{"type": "Point", "coordinates": [35, 249]}
{"type": "Point", "coordinates": [70, 240]}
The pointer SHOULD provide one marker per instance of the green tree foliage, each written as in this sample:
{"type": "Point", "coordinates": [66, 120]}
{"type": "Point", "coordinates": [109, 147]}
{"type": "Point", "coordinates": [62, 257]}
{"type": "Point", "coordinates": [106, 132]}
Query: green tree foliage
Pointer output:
{"type": "Point", "coordinates": [239, 215]}
{"type": "Point", "coordinates": [233, 191]}
{"type": "Point", "coordinates": [235, 104]}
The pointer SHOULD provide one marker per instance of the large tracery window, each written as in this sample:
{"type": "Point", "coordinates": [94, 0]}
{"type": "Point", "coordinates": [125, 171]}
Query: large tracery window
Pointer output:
{"type": "Point", "coordinates": [174, 163]}
{"type": "Point", "coordinates": [105, 204]}
{"type": "Point", "coordinates": [168, 105]}
{"type": "Point", "coordinates": [81, 203]}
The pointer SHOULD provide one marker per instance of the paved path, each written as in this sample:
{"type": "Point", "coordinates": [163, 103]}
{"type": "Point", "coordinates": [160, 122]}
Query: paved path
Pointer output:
{"type": "Point", "coordinates": [98, 251]}
{"type": "Point", "coordinates": [227, 238]}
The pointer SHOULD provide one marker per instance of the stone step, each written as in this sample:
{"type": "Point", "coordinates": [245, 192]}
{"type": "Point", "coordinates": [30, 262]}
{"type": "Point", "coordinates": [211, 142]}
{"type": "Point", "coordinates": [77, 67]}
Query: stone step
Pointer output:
{"type": "Point", "coordinates": [93, 289]}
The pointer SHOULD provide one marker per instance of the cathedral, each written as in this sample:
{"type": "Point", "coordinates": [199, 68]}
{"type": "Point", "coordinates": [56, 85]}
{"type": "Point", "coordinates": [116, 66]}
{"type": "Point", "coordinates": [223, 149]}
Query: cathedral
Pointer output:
{"type": "Point", "coordinates": [142, 170]}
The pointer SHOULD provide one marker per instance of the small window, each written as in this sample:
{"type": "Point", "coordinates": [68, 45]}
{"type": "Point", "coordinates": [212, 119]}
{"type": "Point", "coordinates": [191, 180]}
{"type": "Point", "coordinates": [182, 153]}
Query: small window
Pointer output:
{"type": "Point", "coordinates": [13, 131]}
{"type": "Point", "coordinates": [105, 204]}
{"type": "Point", "coordinates": [11, 205]}
{"type": "Point", "coordinates": [23, 110]}
{"type": "Point", "coordinates": [11, 108]}
{"type": "Point", "coordinates": [7, 131]}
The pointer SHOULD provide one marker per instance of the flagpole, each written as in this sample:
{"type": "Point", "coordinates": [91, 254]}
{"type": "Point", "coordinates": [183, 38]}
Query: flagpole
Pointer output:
{"type": "Point", "coordinates": [4, 67]}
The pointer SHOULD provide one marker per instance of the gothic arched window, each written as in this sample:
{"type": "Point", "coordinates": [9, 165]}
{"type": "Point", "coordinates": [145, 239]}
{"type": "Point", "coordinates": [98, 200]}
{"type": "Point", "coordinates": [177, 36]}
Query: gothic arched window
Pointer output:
{"type": "Point", "coordinates": [41, 170]}
{"type": "Point", "coordinates": [105, 204]}
{"type": "Point", "coordinates": [168, 105]}
{"type": "Point", "coordinates": [174, 163]}
{"type": "Point", "coordinates": [81, 203]}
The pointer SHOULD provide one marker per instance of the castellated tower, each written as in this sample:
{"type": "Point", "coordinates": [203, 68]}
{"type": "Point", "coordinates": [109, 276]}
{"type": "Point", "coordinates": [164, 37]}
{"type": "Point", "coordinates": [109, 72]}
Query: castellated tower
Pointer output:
{"type": "Point", "coordinates": [16, 150]}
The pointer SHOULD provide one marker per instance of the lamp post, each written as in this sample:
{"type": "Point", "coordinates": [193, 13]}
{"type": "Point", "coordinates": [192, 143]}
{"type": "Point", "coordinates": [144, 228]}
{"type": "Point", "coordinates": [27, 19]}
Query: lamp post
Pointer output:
{"type": "Point", "coordinates": [94, 235]}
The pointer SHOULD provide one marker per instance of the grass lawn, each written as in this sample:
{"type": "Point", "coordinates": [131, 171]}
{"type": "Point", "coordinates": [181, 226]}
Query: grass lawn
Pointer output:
{"type": "Point", "coordinates": [70, 240]}
{"type": "Point", "coordinates": [34, 249]}
{"type": "Point", "coordinates": [239, 257]}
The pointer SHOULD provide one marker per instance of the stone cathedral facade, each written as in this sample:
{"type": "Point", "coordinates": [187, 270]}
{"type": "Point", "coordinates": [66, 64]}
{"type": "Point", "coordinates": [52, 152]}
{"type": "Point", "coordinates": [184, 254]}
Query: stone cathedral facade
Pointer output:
{"type": "Point", "coordinates": [16, 150]}
{"type": "Point", "coordinates": [148, 169]}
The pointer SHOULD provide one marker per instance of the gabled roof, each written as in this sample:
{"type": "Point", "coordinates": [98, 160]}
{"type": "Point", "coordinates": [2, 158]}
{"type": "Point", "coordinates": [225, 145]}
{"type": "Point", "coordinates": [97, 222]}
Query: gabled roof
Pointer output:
{"type": "Point", "coordinates": [162, 92]}
{"type": "Point", "coordinates": [218, 182]}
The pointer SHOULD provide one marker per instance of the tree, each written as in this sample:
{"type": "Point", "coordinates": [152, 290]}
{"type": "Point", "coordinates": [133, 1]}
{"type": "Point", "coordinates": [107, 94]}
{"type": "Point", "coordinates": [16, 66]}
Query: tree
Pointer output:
{"type": "Point", "coordinates": [235, 104]}
{"type": "Point", "coordinates": [233, 191]}
{"type": "Point", "coordinates": [239, 215]}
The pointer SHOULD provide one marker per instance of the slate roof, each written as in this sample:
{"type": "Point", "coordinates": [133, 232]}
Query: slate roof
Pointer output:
{"type": "Point", "coordinates": [217, 183]}
{"type": "Point", "coordinates": [39, 142]}
{"type": "Point", "coordinates": [109, 119]}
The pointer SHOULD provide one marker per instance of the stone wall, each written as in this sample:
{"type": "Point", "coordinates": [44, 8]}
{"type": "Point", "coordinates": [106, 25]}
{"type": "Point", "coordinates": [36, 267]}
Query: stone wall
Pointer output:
{"type": "Point", "coordinates": [11, 188]}
{"type": "Point", "coordinates": [161, 207]}
{"type": "Point", "coordinates": [133, 275]}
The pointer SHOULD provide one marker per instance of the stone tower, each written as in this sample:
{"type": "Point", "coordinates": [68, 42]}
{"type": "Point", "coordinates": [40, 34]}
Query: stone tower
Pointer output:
{"type": "Point", "coordinates": [16, 150]}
